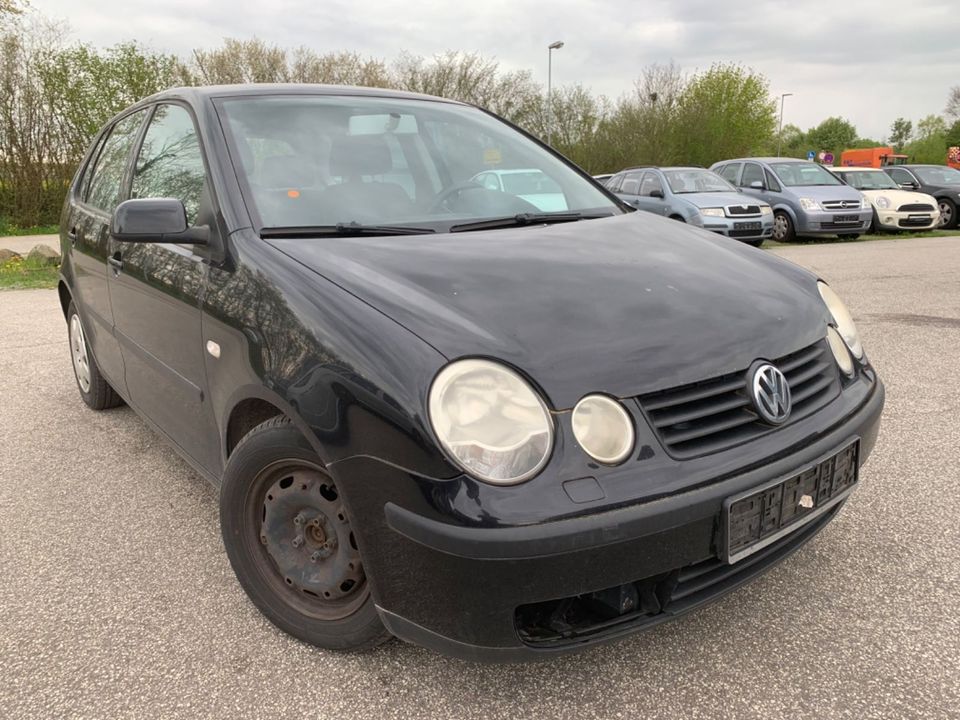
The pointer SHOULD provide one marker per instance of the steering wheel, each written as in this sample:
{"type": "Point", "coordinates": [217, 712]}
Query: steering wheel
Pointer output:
{"type": "Point", "coordinates": [443, 196]}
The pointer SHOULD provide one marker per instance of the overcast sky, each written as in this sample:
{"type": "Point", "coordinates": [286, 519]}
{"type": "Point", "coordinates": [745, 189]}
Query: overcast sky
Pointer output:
{"type": "Point", "coordinates": [870, 61]}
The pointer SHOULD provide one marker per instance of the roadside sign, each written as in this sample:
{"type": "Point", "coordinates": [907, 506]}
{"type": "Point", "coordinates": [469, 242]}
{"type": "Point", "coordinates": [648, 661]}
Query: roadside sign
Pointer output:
{"type": "Point", "coordinates": [828, 159]}
{"type": "Point", "coordinates": [811, 154]}
{"type": "Point", "coordinates": [821, 155]}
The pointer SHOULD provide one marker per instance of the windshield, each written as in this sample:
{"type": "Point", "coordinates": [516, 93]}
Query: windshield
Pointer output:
{"type": "Point", "coordinates": [868, 180]}
{"type": "Point", "coordinates": [696, 181]}
{"type": "Point", "coordinates": [938, 175]}
{"type": "Point", "coordinates": [800, 174]}
{"type": "Point", "coordinates": [317, 161]}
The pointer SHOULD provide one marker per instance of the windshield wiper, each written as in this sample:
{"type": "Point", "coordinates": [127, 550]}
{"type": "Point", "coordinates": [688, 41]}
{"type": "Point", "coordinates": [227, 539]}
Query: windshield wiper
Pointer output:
{"type": "Point", "coordinates": [351, 229]}
{"type": "Point", "coordinates": [522, 219]}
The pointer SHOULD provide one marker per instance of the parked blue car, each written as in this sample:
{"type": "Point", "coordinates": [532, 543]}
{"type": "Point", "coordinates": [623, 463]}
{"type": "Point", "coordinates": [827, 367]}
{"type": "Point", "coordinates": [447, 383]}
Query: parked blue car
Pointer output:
{"type": "Point", "coordinates": [695, 196]}
{"type": "Point", "coordinates": [807, 199]}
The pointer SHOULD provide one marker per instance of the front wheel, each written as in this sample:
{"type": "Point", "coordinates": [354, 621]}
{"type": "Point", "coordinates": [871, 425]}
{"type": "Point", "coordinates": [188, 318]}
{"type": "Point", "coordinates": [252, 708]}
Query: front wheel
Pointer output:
{"type": "Point", "coordinates": [290, 541]}
{"type": "Point", "coordinates": [783, 230]}
{"type": "Point", "coordinates": [948, 214]}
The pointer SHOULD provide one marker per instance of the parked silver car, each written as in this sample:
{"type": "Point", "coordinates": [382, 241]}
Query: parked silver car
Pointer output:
{"type": "Point", "coordinates": [807, 200]}
{"type": "Point", "coordinates": [695, 196]}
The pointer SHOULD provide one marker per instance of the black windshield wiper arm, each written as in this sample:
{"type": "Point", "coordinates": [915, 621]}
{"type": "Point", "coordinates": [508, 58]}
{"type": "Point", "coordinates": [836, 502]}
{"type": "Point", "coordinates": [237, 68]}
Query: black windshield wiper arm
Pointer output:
{"type": "Point", "coordinates": [520, 220]}
{"type": "Point", "coordinates": [351, 229]}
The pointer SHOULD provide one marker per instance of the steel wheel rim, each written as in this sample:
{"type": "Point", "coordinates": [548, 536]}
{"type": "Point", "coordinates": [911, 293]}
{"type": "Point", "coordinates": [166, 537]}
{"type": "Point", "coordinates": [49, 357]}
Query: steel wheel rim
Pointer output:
{"type": "Point", "coordinates": [779, 227]}
{"type": "Point", "coordinates": [326, 582]}
{"type": "Point", "coordinates": [78, 351]}
{"type": "Point", "coordinates": [946, 213]}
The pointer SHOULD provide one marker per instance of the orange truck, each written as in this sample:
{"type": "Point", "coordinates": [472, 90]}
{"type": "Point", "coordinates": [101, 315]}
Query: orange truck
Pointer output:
{"type": "Point", "coordinates": [871, 157]}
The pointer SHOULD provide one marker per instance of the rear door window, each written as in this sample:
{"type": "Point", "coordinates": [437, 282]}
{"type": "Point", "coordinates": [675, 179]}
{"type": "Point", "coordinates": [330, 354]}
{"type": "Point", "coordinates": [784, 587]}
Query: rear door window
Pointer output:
{"type": "Point", "coordinates": [730, 172]}
{"type": "Point", "coordinates": [106, 183]}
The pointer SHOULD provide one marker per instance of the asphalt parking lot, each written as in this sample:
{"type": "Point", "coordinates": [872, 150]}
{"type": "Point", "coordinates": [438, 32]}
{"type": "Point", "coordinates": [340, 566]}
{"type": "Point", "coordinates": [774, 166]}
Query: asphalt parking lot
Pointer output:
{"type": "Point", "coordinates": [117, 599]}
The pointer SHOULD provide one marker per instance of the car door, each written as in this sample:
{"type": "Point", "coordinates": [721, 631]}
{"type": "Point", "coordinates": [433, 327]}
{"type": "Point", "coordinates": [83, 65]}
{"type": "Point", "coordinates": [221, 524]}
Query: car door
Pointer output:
{"type": "Point", "coordinates": [88, 231]}
{"type": "Point", "coordinates": [904, 178]}
{"type": "Point", "coordinates": [157, 290]}
{"type": "Point", "coordinates": [629, 189]}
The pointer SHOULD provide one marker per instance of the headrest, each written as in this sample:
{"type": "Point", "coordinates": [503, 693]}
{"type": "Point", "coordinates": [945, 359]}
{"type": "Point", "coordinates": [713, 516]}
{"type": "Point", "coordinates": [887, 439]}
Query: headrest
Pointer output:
{"type": "Point", "coordinates": [287, 171]}
{"type": "Point", "coordinates": [355, 155]}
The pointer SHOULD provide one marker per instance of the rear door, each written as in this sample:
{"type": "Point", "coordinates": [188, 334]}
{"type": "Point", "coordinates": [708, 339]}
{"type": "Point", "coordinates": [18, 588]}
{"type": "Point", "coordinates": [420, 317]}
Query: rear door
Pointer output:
{"type": "Point", "coordinates": [88, 232]}
{"type": "Point", "coordinates": [157, 291]}
{"type": "Point", "coordinates": [629, 188]}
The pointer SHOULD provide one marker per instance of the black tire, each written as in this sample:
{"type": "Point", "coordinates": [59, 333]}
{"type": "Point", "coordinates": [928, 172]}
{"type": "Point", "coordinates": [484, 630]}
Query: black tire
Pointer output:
{"type": "Point", "coordinates": [677, 218]}
{"type": "Point", "coordinates": [948, 214]}
{"type": "Point", "coordinates": [783, 230]}
{"type": "Point", "coordinates": [272, 473]}
{"type": "Point", "coordinates": [95, 391]}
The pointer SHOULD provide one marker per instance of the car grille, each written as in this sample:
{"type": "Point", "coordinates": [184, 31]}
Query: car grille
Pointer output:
{"type": "Point", "coordinates": [840, 205]}
{"type": "Point", "coordinates": [841, 225]}
{"type": "Point", "coordinates": [917, 207]}
{"type": "Point", "coordinates": [717, 414]}
{"type": "Point", "coordinates": [745, 233]}
{"type": "Point", "coordinates": [915, 222]}
{"type": "Point", "coordinates": [741, 210]}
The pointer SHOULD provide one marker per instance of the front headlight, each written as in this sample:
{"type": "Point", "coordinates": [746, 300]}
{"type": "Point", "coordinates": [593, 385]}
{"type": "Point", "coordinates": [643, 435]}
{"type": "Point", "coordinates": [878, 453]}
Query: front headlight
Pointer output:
{"type": "Point", "coordinates": [490, 421]}
{"type": "Point", "coordinates": [864, 202]}
{"type": "Point", "coordinates": [808, 204]}
{"type": "Point", "coordinates": [603, 429]}
{"type": "Point", "coordinates": [766, 210]}
{"type": "Point", "coordinates": [712, 212]}
{"type": "Point", "coordinates": [841, 319]}
{"type": "Point", "coordinates": [882, 202]}
{"type": "Point", "coordinates": [840, 351]}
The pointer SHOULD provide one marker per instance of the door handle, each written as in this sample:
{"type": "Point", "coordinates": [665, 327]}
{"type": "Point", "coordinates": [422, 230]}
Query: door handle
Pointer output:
{"type": "Point", "coordinates": [72, 235]}
{"type": "Point", "coordinates": [116, 263]}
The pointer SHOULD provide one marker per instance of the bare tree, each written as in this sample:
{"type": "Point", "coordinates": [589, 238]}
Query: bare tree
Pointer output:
{"type": "Point", "coordinates": [953, 103]}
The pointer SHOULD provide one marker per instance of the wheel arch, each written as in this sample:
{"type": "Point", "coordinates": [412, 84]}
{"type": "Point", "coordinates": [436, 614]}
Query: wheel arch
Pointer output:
{"type": "Point", "coordinates": [63, 292]}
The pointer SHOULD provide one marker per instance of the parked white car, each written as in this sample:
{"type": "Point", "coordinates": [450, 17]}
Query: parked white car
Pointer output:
{"type": "Point", "coordinates": [893, 207]}
{"type": "Point", "coordinates": [530, 184]}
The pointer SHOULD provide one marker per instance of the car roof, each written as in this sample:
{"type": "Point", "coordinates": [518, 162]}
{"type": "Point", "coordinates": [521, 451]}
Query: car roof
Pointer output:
{"type": "Point", "coordinates": [853, 169]}
{"type": "Point", "coordinates": [201, 92]}
{"type": "Point", "coordinates": [765, 160]}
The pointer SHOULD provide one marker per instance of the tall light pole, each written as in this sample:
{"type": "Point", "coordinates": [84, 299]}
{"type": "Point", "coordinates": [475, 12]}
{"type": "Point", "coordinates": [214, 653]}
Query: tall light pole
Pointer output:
{"type": "Point", "coordinates": [550, 48]}
{"type": "Point", "coordinates": [780, 130]}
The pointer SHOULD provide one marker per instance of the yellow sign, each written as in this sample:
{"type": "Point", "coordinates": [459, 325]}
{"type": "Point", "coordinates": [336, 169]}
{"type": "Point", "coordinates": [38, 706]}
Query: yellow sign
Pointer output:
{"type": "Point", "coordinates": [491, 156]}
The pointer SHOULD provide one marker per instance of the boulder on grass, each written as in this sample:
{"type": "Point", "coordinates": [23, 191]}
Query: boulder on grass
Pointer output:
{"type": "Point", "coordinates": [44, 254]}
{"type": "Point", "coordinates": [6, 255]}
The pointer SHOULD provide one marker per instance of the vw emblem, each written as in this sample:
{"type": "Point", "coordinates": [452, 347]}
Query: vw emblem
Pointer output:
{"type": "Point", "coordinates": [771, 394]}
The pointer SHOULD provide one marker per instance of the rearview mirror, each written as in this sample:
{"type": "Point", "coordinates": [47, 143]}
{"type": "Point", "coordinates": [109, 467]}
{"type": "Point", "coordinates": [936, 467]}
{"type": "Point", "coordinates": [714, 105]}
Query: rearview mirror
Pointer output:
{"type": "Point", "coordinates": [156, 220]}
{"type": "Point", "coordinates": [908, 186]}
{"type": "Point", "coordinates": [656, 194]}
{"type": "Point", "coordinates": [757, 185]}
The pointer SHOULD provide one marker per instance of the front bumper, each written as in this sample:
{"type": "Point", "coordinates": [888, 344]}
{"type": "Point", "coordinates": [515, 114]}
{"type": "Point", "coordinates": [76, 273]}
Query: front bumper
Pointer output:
{"type": "Point", "coordinates": [825, 222]}
{"type": "Point", "coordinates": [738, 229]}
{"type": "Point", "coordinates": [457, 589]}
{"type": "Point", "coordinates": [896, 220]}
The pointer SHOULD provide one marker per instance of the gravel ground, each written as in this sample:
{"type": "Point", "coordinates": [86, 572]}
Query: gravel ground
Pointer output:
{"type": "Point", "coordinates": [118, 601]}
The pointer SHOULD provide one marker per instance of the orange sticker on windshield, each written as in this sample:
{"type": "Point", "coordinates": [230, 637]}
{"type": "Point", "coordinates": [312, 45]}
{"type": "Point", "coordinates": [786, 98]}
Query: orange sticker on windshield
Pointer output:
{"type": "Point", "coordinates": [293, 193]}
{"type": "Point", "coordinates": [492, 156]}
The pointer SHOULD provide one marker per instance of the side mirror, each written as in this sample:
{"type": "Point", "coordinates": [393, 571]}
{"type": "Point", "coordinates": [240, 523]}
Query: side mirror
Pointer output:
{"type": "Point", "coordinates": [156, 220]}
{"type": "Point", "coordinates": [656, 194]}
{"type": "Point", "coordinates": [757, 185]}
{"type": "Point", "coordinates": [908, 186]}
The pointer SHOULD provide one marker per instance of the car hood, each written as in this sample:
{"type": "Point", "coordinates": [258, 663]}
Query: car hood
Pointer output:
{"type": "Point", "coordinates": [901, 197]}
{"type": "Point", "coordinates": [719, 199]}
{"type": "Point", "coordinates": [623, 305]}
{"type": "Point", "coordinates": [826, 192]}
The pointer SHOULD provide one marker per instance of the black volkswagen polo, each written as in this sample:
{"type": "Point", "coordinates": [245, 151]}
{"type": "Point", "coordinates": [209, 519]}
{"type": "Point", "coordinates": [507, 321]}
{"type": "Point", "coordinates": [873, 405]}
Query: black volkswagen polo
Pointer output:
{"type": "Point", "coordinates": [451, 389]}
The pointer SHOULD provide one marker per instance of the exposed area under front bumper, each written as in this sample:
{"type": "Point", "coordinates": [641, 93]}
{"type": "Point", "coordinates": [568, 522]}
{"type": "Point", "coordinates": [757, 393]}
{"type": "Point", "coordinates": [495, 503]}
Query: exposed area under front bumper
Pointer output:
{"type": "Point", "coordinates": [457, 589]}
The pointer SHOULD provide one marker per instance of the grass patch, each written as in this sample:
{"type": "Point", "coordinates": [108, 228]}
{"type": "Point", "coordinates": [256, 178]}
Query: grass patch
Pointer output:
{"type": "Point", "coordinates": [10, 230]}
{"type": "Point", "coordinates": [24, 273]}
{"type": "Point", "coordinates": [830, 239]}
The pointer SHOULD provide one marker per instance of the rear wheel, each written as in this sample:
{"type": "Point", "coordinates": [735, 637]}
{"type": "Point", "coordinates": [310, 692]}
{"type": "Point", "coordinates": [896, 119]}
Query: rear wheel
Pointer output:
{"type": "Point", "coordinates": [783, 230]}
{"type": "Point", "coordinates": [948, 214]}
{"type": "Point", "coordinates": [290, 541]}
{"type": "Point", "coordinates": [95, 391]}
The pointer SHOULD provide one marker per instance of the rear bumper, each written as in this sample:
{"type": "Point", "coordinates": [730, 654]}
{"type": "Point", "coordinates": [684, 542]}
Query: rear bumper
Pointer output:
{"type": "Point", "coordinates": [457, 589]}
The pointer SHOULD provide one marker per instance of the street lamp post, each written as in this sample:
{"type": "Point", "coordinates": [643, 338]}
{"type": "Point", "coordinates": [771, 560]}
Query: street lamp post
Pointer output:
{"type": "Point", "coordinates": [550, 48]}
{"type": "Point", "coordinates": [780, 130]}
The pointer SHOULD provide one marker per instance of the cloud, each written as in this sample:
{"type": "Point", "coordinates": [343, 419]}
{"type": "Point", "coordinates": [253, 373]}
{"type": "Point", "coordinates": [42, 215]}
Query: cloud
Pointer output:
{"type": "Point", "coordinates": [868, 61]}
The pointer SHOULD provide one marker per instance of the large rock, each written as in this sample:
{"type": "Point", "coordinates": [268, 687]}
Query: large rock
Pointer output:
{"type": "Point", "coordinates": [45, 254]}
{"type": "Point", "coordinates": [6, 255]}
